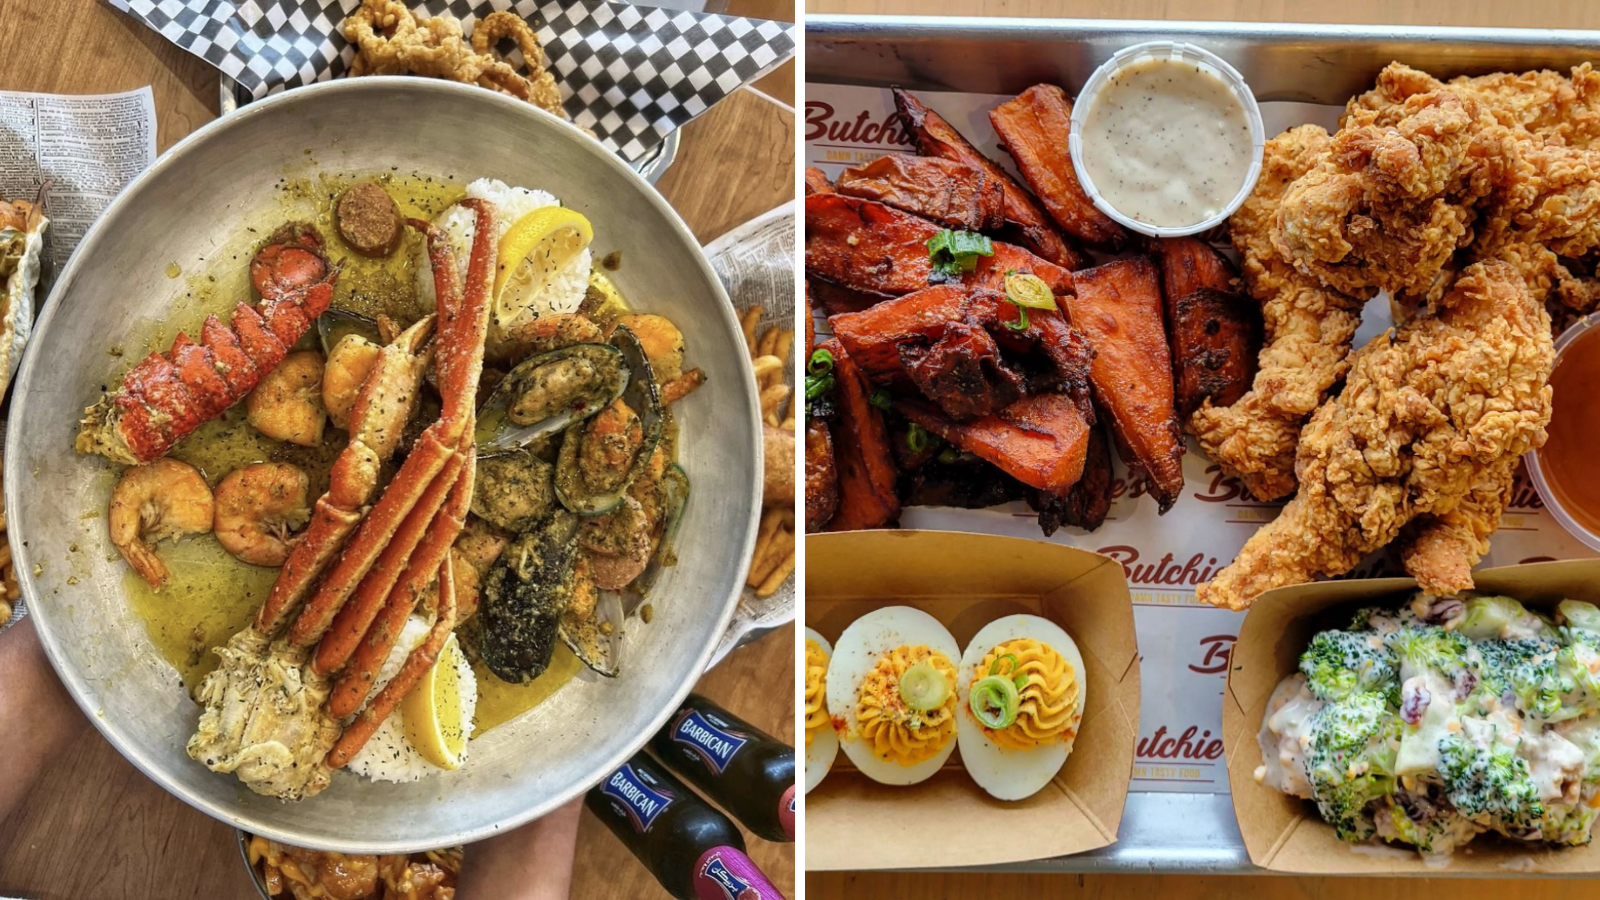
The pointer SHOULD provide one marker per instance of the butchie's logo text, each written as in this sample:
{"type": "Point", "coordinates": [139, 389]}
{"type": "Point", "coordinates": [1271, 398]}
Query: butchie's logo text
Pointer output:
{"type": "Point", "coordinates": [823, 124]}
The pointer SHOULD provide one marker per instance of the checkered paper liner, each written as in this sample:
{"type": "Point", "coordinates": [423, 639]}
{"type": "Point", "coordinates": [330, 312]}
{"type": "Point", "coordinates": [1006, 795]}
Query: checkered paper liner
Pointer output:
{"type": "Point", "coordinates": [632, 74]}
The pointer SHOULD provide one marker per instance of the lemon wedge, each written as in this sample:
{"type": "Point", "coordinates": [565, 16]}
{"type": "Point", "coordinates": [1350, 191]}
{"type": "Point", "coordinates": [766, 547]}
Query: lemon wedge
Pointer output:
{"type": "Point", "coordinates": [432, 712]}
{"type": "Point", "coordinates": [539, 245]}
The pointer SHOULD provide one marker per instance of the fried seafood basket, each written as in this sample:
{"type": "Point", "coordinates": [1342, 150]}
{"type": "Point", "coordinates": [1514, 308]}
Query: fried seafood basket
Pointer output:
{"type": "Point", "coordinates": [1182, 824]}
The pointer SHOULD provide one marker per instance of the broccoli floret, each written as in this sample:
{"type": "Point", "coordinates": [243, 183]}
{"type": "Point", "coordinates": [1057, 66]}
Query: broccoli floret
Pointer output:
{"type": "Point", "coordinates": [1532, 672]}
{"type": "Point", "coordinates": [1489, 782]}
{"type": "Point", "coordinates": [1566, 824]}
{"type": "Point", "coordinates": [1382, 619]}
{"type": "Point", "coordinates": [1438, 829]}
{"type": "Point", "coordinates": [1578, 661]}
{"type": "Point", "coordinates": [1350, 761]}
{"type": "Point", "coordinates": [1340, 663]}
{"type": "Point", "coordinates": [1425, 648]}
{"type": "Point", "coordinates": [1577, 614]}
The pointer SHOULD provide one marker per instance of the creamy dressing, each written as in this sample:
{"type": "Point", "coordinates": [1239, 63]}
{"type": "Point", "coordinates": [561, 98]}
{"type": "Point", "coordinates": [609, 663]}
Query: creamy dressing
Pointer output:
{"type": "Point", "coordinates": [1167, 143]}
{"type": "Point", "coordinates": [1285, 735]}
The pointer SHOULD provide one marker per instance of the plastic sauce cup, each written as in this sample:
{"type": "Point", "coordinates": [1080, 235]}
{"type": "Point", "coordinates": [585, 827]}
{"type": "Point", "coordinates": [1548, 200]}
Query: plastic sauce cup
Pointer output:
{"type": "Point", "coordinates": [1547, 493]}
{"type": "Point", "coordinates": [1205, 61]}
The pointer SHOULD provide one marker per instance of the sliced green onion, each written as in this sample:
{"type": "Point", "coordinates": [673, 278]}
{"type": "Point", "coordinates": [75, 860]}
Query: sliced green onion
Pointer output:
{"type": "Point", "coordinates": [817, 385]}
{"type": "Point", "coordinates": [1021, 324]}
{"type": "Point", "coordinates": [955, 252]}
{"type": "Point", "coordinates": [1021, 681]}
{"type": "Point", "coordinates": [923, 687]}
{"type": "Point", "coordinates": [917, 438]}
{"type": "Point", "coordinates": [1029, 290]}
{"type": "Point", "coordinates": [994, 701]}
{"type": "Point", "coordinates": [821, 362]}
{"type": "Point", "coordinates": [994, 667]}
{"type": "Point", "coordinates": [880, 399]}
{"type": "Point", "coordinates": [949, 455]}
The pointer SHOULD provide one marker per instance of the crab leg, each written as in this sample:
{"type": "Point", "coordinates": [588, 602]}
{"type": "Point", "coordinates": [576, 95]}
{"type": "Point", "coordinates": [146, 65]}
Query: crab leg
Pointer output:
{"type": "Point", "coordinates": [356, 682]}
{"type": "Point", "coordinates": [416, 665]}
{"type": "Point", "coordinates": [463, 327]}
{"type": "Point", "coordinates": [386, 400]}
{"type": "Point", "coordinates": [340, 633]}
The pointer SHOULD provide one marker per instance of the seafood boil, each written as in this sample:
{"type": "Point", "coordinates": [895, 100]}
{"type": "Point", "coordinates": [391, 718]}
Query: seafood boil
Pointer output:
{"type": "Point", "coordinates": [481, 471]}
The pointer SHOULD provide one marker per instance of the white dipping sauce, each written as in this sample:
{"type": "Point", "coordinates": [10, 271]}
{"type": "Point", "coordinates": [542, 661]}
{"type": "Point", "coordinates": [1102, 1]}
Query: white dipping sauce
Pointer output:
{"type": "Point", "coordinates": [1167, 143]}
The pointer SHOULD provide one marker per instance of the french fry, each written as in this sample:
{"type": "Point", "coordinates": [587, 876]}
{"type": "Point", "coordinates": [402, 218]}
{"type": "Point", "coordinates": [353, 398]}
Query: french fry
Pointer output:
{"type": "Point", "coordinates": [767, 368]}
{"type": "Point", "coordinates": [784, 346]}
{"type": "Point", "coordinates": [779, 575]}
{"type": "Point", "coordinates": [761, 561]}
{"type": "Point", "coordinates": [748, 322]}
{"type": "Point", "coordinates": [771, 399]}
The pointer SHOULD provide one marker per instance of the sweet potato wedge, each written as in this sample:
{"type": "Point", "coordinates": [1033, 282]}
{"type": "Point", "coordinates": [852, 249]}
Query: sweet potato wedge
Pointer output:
{"type": "Point", "coordinates": [1214, 331]}
{"type": "Point", "coordinates": [822, 476]}
{"type": "Point", "coordinates": [951, 192]}
{"type": "Point", "coordinates": [866, 246]}
{"type": "Point", "coordinates": [1189, 264]}
{"type": "Point", "coordinates": [936, 137]}
{"type": "Point", "coordinates": [861, 451]}
{"type": "Point", "coordinates": [1117, 306]}
{"type": "Point", "coordinates": [874, 336]}
{"type": "Point", "coordinates": [1039, 440]}
{"type": "Point", "coordinates": [1033, 128]}
{"type": "Point", "coordinates": [1086, 504]}
{"type": "Point", "coordinates": [817, 182]}
{"type": "Point", "coordinates": [834, 299]}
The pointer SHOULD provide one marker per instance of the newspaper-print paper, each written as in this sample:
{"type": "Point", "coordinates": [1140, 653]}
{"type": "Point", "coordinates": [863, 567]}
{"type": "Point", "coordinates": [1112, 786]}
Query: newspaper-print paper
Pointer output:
{"type": "Point", "coordinates": [756, 264]}
{"type": "Point", "coordinates": [632, 74]}
{"type": "Point", "coordinates": [87, 146]}
{"type": "Point", "coordinates": [1184, 645]}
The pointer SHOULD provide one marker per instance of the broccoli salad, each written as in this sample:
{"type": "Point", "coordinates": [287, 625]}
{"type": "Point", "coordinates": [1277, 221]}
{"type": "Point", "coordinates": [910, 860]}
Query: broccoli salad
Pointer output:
{"type": "Point", "coordinates": [1448, 717]}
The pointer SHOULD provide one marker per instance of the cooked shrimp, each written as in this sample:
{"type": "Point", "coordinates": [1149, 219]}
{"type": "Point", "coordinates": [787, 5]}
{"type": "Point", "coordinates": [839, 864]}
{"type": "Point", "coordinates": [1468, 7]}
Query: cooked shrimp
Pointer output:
{"type": "Point", "coordinates": [259, 507]}
{"type": "Point", "coordinates": [610, 439]}
{"type": "Point", "coordinates": [287, 404]}
{"type": "Point", "coordinates": [161, 499]}
{"type": "Point", "coordinates": [349, 364]}
{"type": "Point", "coordinates": [543, 334]}
{"type": "Point", "coordinates": [662, 343]}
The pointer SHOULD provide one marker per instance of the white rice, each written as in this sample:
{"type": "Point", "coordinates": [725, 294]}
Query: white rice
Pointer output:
{"type": "Point", "coordinates": [388, 756]}
{"type": "Point", "coordinates": [511, 203]}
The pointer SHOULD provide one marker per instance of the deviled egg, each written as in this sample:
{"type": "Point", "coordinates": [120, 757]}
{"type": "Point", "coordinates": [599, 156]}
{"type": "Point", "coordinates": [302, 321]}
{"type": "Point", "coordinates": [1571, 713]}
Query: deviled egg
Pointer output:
{"type": "Point", "coordinates": [822, 744]}
{"type": "Point", "coordinates": [892, 685]}
{"type": "Point", "coordinates": [1021, 695]}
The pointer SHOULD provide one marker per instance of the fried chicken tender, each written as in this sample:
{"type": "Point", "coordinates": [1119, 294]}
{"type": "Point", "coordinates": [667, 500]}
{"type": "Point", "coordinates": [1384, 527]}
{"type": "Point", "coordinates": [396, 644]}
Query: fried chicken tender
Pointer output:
{"type": "Point", "coordinates": [1307, 329]}
{"type": "Point", "coordinates": [1545, 103]}
{"type": "Point", "coordinates": [1428, 417]}
{"type": "Point", "coordinates": [1415, 176]}
{"type": "Point", "coordinates": [1440, 550]}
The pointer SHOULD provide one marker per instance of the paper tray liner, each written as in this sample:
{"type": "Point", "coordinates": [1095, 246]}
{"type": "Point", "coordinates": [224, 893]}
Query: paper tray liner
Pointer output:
{"type": "Point", "coordinates": [1284, 833]}
{"type": "Point", "coordinates": [967, 581]}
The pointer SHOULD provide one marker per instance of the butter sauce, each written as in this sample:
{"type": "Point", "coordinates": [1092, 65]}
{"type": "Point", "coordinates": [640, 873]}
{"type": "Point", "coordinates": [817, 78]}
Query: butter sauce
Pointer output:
{"type": "Point", "coordinates": [210, 595]}
{"type": "Point", "coordinates": [1166, 143]}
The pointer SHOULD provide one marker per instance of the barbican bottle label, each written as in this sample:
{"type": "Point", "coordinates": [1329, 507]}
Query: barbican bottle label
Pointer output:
{"type": "Point", "coordinates": [723, 873]}
{"type": "Point", "coordinates": [707, 736]}
{"type": "Point", "coordinates": [786, 812]}
{"type": "Point", "coordinates": [637, 795]}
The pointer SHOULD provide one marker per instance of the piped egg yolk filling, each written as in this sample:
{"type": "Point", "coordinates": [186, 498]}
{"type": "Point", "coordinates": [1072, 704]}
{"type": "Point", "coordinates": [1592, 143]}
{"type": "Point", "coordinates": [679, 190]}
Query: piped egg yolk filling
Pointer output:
{"type": "Point", "coordinates": [1047, 705]}
{"type": "Point", "coordinates": [896, 731]}
{"type": "Point", "coordinates": [816, 697]}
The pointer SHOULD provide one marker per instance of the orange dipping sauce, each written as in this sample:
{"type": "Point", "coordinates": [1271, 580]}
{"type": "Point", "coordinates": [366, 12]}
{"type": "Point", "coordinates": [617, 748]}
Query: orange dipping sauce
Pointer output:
{"type": "Point", "coordinates": [1568, 460]}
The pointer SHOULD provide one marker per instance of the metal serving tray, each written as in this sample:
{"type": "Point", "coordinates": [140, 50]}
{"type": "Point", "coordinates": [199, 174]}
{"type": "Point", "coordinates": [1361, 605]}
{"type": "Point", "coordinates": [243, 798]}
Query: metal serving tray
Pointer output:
{"type": "Point", "coordinates": [1165, 832]}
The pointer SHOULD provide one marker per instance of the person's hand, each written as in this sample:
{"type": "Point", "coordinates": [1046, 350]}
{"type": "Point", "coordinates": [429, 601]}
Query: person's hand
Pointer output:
{"type": "Point", "coordinates": [37, 716]}
{"type": "Point", "coordinates": [533, 862]}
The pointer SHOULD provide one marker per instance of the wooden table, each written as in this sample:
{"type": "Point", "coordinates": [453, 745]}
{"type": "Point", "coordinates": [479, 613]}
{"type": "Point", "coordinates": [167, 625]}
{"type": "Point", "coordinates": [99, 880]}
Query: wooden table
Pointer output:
{"type": "Point", "coordinates": [883, 886]}
{"type": "Point", "coordinates": [94, 828]}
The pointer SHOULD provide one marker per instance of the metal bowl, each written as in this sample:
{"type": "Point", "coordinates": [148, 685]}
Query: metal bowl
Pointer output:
{"type": "Point", "coordinates": [194, 207]}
